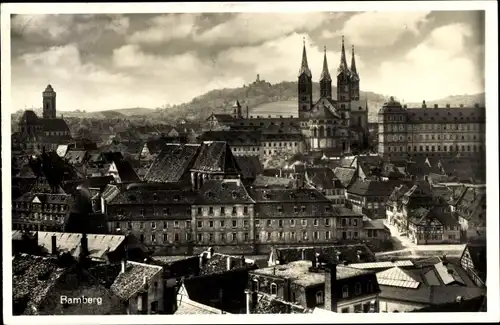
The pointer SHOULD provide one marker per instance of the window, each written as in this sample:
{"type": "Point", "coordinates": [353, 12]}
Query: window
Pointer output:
{"type": "Point", "coordinates": [295, 209]}
{"type": "Point", "coordinates": [358, 308]}
{"type": "Point", "coordinates": [222, 211]}
{"type": "Point", "coordinates": [142, 238]}
{"type": "Point", "coordinates": [316, 235]}
{"type": "Point", "coordinates": [304, 222]}
{"type": "Point", "coordinates": [222, 223]}
{"type": "Point", "coordinates": [245, 210]}
{"type": "Point", "coordinates": [292, 235]}
{"type": "Point", "coordinates": [319, 298]}
{"type": "Point", "coordinates": [328, 235]}
{"type": "Point", "coordinates": [153, 225]}
{"type": "Point", "coordinates": [257, 223]}
{"type": "Point", "coordinates": [211, 237]}
{"type": "Point", "coordinates": [245, 223]}
{"type": "Point", "coordinates": [269, 223]}
{"type": "Point", "coordinates": [345, 292]}
{"type": "Point", "coordinates": [280, 223]}
{"type": "Point", "coordinates": [357, 288]}
{"type": "Point", "coordinates": [142, 212]}
{"type": "Point", "coordinates": [176, 237]}
{"type": "Point", "coordinates": [316, 222]}
{"type": "Point", "coordinates": [166, 211]}
{"type": "Point", "coordinates": [210, 210]}
{"type": "Point", "coordinates": [304, 235]}
{"type": "Point", "coordinates": [274, 289]}
{"type": "Point", "coordinates": [199, 211]}
{"type": "Point", "coordinates": [268, 236]}
{"type": "Point", "coordinates": [234, 224]}
{"type": "Point", "coordinates": [234, 211]}
{"type": "Point", "coordinates": [118, 226]}
{"type": "Point", "coordinates": [327, 222]}
{"type": "Point", "coordinates": [200, 237]}
{"type": "Point", "coordinates": [165, 237]}
{"type": "Point", "coordinates": [141, 225]}
{"type": "Point", "coordinates": [355, 222]}
{"type": "Point", "coordinates": [233, 236]}
{"type": "Point", "coordinates": [246, 236]}
{"type": "Point", "coordinates": [280, 235]}
{"type": "Point", "coordinates": [129, 225]}
{"type": "Point", "coordinates": [303, 209]}
{"type": "Point", "coordinates": [345, 310]}
{"type": "Point", "coordinates": [200, 224]}
{"type": "Point", "coordinates": [211, 224]}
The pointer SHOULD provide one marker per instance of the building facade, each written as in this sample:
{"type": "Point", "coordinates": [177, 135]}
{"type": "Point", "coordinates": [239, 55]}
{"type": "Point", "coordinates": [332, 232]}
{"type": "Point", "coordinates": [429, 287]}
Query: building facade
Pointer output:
{"type": "Point", "coordinates": [430, 131]}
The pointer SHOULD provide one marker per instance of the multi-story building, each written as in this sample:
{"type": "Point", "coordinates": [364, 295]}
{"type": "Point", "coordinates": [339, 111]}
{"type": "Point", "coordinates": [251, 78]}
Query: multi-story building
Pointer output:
{"type": "Point", "coordinates": [432, 226]}
{"type": "Point", "coordinates": [468, 206]}
{"type": "Point", "coordinates": [310, 284]}
{"type": "Point", "coordinates": [325, 180]}
{"type": "Point", "coordinates": [430, 131]}
{"type": "Point", "coordinates": [223, 217]}
{"type": "Point", "coordinates": [159, 215]}
{"type": "Point", "coordinates": [36, 134]}
{"type": "Point", "coordinates": [325, 124]}
{"type": "Point", "coordinates": [242, 143]}
{"type": "Point", "coordinates": [292, 216]}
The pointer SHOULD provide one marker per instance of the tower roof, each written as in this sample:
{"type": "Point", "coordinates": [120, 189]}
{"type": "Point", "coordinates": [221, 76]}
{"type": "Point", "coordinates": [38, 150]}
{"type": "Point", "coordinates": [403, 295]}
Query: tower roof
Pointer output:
{"type": "Point", "coordinates": [343, 62]}
{"type": "Point", "coordinates": [236, 104]}
{"type": "Point", "coordinates": [325, 74]}
{"type": "Point", "coordinates": [354, 71]}
{"type": "Point", "coordinates": [304, 67]}
{"type": "Point", "coordinates": [49, 88]}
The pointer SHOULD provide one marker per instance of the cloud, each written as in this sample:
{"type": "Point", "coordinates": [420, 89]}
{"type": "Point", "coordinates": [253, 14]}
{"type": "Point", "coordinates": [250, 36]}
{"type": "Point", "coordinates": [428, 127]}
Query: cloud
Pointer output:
{"type": "Point", "coordinates": [439, 66]}
{"type": "Point", "coordinates": [379, 29]}
{"type": "Point", "coordinates": [248, 28]}
{"type": "Point", "coordinates": [164, 28]}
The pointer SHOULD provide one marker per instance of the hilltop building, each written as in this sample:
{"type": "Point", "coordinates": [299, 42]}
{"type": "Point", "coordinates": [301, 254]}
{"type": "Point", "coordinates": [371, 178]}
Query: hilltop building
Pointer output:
{"type": "Point", "coordinates": [35, 134]}
{"type": "Point", "coordinates": [325, 125]}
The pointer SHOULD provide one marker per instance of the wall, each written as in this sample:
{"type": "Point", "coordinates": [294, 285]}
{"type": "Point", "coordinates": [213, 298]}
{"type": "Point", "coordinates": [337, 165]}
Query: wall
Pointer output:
{"type": "Point", "coordinates": [390, 306]}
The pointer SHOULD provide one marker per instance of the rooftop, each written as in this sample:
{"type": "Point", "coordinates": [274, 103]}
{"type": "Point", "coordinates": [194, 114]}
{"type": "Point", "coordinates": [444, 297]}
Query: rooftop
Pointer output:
{"type": "Point", "coordinates": [298, 272]}
{"type": "Point", "coordinates": [132, 280]}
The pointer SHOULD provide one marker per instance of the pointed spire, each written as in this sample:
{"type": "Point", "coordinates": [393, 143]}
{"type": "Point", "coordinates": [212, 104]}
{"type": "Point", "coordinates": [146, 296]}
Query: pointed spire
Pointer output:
{"type": "Point", "coordinates": [325, 74]}
{"type": "Point", "coordinates": [353, 62]}
{"type": "Point", "coordinates": [304, 67]}
{"type": "Point", "coordinates": [343, 62]}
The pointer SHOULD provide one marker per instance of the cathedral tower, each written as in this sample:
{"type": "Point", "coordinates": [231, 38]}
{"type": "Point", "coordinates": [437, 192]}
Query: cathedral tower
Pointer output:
{"type": "Point", "coordinates": [343, 85]}
{"type": "Point", "coordinates": [325, 81]}
{"type": "Point", "coordinates": [354, 78]}
{"type": "Point", "coordinates": [304, 86]}
{"type": "Point", "coordinates": [49, 102]}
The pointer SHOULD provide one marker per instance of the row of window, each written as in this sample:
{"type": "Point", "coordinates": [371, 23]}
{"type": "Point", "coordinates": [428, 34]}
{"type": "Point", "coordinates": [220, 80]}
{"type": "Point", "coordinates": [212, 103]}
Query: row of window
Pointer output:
{"type": "Point", "coordinates": [222, 210]}
{"type": "Point", "coordinates": [280, 144]}
{"type": "Point", "coordinates": [165, 237]}
{"type": "Point", "coordinates": [41, 216]}
{"type": "Point", "coordinates": [463, 137]}
{"type": "Point", "coordinates": [236, 149]}
{"type": "Point", "coordinates": [153, 224]}
{"type": "Point", "coordinates": [463, 148]}
{"type": "Point", "coordinates": [41, 207]}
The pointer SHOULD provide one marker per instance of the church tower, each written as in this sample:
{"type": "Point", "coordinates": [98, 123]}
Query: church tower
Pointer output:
{"type": "Point", "coordinates": [343, 85]}
{"type": "Point", "coordinates": [325, 81]}
{"type": "Point", "coordinates": [304, 86]}
{"type": "Point", "coordinates": [49, 102]}
{"type": "Point", "coordinates": [354, 78]}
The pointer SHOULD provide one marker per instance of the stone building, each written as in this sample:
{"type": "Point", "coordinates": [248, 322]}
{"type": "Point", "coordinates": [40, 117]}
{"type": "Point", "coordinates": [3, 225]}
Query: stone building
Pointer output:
{"type": "Point", "coordinates": [36, 134]}
{"type": "Point", "coordinates": [431, 131]}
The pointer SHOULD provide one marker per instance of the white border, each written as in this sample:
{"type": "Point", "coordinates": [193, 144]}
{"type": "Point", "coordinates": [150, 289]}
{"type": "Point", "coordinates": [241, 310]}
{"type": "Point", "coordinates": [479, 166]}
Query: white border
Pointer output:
{"type": "Point", "coordinates": [491, 64]}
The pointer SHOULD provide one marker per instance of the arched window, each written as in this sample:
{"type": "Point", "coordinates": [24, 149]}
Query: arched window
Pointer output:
{"type": "Point", "coordinates": [274, 289]}
{"type": "Point", "coordinates": [319, 298]}
{"type": "Point", "coordinates": [345, 292]}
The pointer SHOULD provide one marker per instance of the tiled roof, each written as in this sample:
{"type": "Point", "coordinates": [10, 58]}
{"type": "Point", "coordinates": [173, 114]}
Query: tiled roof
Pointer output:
{"type": "Point", "coordinates": [172, 163]}
{"type": "Point", "coordinates": [224, 117]}
{"type": "Point", "coordinates": [302, 195]}
{"type": "Point", "coordinates": [149, 194]}
{"type": "Point", "coordinates": [110, 192]}
{"type": "Point", "coordinates": [477, 253]}
{"type": "Point", "coordinates": [29, 117]}
{"type": "Point", "coordinates": [227, 191]}
{"type": "Point", "coordinates": [325, 108]}
{"type": "Point", "coordinates": [215, 156]}
{"type": "Point", "coordinates": [33, 277]}
{"type": "Point", "coordinates": [75, 156]}
{"type": "Point", "coordinates": [322, 178]}
{"type": "Point", "coordinates": [233, 138]}
{"type": "Point", "coordinates": [218, 264]}
{"type": "Point", "coordinates": [447, 115]}
{"type": "Point", "coordinates": [345, 175]}
{"type": "Point", "coordinates": [250, 166]}
{"type": "Point", "coordinates": [54, 124]}
{"type": "Point", "coordinates": [373, 187]}
{"type": "Point", "coordinates": [420, 215]}
{"type": "Point", "coordinates": [126, 172]}
{"type": "Point", "coordinates": [381, 265]}
{"type": "Point", "coordinates": [298, 272]}
{"type": "Point", "coordinates": [132, 280]}
{"type": "Point", "coordinates": [272, 181]}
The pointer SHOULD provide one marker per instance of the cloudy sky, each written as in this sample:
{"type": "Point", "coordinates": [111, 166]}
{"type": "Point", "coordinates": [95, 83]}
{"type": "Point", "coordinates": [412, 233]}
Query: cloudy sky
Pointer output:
{"type": "Point", "coordinates": [97, 62]}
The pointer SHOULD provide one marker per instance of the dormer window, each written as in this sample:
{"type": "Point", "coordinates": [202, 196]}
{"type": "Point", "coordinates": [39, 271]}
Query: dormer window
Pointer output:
{"type": "Point", "coordinates": [345, 292]}
{"type": "Point", "coordinates": [234, 194]}
{"type": "Point", "coordinates": [142, 212]}
{"type": "Point", "coordinates": [319, 298]}
{"type": "Point", "coordinates": [274, 289]}
{"type": "Point", "coordinates": [177, 198]}
{"type": "Point", "coordinates": [357, 289]}
{"type": "Point", "coordinates": [155, 197]}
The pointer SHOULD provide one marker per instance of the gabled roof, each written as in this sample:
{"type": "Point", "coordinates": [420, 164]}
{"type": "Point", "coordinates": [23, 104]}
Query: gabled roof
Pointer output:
{"type": "Point", "coordinates": [250, 166]}
{"type": "Point", "coordinates": [149, 194]}
{"type": "Point", "coordinates": [135, 279]}
{"type": "Point", "coordinates": [373, 187]}
{"type": "Point", "coordinates": [227, 191]}
{"type": "Point", "coordinates": [54, 125]}
{"type": "Point", "coordinates": [29, 117]}
{"type": "Point", "coordinates": [215, 156]}
{"type": "Point", "coordinates": [172, 163]}
{"type": "Point", "coordinates": [233, 138]}
{"type": "Point", "coordinates": [322, 178]}
{"type": "Point", "coordinates": [477, 253]}
{"type": "Point", "coordinates": [346, 175]}
{"type": "Point", "coordinates": [126, 172]}
{"type": "Point", "coordinates": [325, 108]}
{"type": "Point", "coordinates": [397, 277]}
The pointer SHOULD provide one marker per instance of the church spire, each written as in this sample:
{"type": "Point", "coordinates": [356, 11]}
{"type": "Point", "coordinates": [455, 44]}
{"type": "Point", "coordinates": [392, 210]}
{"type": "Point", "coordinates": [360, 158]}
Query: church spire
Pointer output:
{"type": "Point", "coordinates": [325, 74]}
{"type": "Point", "coordinates": [304, 67]}
{"type": "Point", "coordinates": [354, 71]}
{"type": "Point", "coordinates": [343, 62]}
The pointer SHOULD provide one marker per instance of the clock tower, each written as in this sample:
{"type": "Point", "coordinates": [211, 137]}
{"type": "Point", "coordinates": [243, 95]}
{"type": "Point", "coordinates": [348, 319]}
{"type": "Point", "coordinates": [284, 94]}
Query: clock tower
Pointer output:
{"type": "Point", "coordinates": [304, 86]}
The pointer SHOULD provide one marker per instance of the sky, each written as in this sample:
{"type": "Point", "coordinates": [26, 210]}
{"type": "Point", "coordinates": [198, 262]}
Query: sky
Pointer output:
{"type": "Point", "coordinates": [109, 61]}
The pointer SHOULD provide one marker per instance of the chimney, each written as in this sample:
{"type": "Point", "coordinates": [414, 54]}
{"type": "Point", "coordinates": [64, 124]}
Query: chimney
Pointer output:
{"type": "Point", "coordinates": [447, 105]}
{"type": "Point", "coordinates": [330, 288]}
{"type": "Point", "coordinates": [124, 265]}
{"type": "Point", "coordinates": [424, 105]}
{"type": "Point", "coordinates": [54, 245]}
{"type": "Point", "coordinates": [84, 245]}
{"type": "Point", "coordinates": [228, 263]}
{"type": "Point", "coordinates": [359, 256]}
{"type": "Point", "coordinates": [436, 106]}
{"type": "Point", "coordinates": [210, 252]}
{"type": "Point", "coordinates": [303, 254]}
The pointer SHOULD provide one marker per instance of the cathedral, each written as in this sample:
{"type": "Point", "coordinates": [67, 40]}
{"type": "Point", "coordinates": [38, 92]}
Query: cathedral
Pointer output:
{"type": "Point", "coordinates": [37, 134]}
{"type": "Point", "coordinates": [328, 125]}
